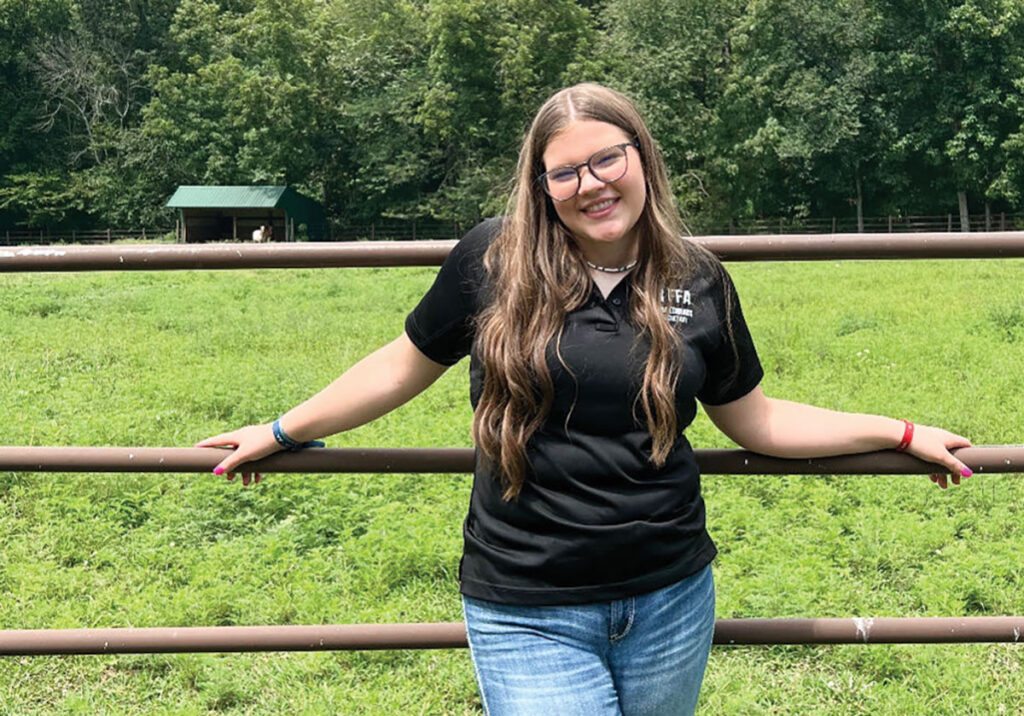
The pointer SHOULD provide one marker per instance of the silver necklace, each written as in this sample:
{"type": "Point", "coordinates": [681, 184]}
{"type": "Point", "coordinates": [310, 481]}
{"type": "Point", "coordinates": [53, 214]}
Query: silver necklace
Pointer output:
{"type": "Point", "coordinates": [613, 269]}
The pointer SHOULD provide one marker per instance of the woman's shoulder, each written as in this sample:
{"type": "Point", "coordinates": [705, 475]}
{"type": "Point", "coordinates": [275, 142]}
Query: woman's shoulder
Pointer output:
{"type": "Point", "coordinates": [481, 236]}
{"type": "Point", "coordinates": [465, 262]}
{"type": "Point", "coordinates": [468, 252]}
{"type": "Point", "coordinates": [701, 264]}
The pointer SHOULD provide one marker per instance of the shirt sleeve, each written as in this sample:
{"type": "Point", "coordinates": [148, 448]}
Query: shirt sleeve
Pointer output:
{"type": "Point", "coordinates": [733, 368]}
{"type": "Point", "coordinates": [442, 326]}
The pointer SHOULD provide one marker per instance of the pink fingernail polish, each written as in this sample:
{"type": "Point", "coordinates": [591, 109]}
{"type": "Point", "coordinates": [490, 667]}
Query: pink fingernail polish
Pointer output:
{"type": "Point", "coordinates": [966, 472]}
{"type": "Point", "coordinates": [218, 471]}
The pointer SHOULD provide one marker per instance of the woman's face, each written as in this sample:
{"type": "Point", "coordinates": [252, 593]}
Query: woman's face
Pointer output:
{"type": "Point", "coordinates": [602, 217]}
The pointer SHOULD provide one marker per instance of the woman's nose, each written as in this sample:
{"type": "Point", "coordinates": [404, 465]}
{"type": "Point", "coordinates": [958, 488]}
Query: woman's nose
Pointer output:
{"type": "Point", "coordinates": [588, 182]}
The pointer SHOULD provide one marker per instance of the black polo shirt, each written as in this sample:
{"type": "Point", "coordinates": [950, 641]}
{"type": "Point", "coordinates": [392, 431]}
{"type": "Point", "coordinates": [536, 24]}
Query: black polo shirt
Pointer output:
{"type": "Point", "coordinates": [594, 521]}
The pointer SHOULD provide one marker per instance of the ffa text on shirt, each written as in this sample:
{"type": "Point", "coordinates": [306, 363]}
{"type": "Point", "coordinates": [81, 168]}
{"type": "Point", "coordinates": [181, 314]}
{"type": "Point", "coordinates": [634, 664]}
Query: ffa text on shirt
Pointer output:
{"type": "Point", "coordinates": [674, 302]}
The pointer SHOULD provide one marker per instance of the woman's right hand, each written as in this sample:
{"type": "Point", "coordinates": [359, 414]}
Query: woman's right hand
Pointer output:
{"type": "Point", "coordinates": [250, 443]}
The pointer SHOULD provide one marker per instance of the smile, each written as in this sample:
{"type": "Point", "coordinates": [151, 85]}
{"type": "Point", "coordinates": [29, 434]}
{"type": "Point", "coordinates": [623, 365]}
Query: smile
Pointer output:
{"type": "Point", "coordinates": [599, 206]}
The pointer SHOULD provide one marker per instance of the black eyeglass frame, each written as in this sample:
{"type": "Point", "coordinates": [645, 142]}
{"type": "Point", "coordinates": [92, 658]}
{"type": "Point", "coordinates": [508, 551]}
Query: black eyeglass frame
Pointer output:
{"type": "Point", "coordinates": [542, 178]}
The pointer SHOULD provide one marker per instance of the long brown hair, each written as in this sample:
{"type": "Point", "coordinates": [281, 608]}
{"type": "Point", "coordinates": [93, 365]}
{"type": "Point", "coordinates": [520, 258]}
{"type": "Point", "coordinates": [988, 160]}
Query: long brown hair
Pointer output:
{"type": "Point", "coordinates": [538, 275]}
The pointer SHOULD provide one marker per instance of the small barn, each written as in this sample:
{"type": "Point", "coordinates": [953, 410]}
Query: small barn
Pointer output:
{"type": "Point", "coordinates": [245, 213]}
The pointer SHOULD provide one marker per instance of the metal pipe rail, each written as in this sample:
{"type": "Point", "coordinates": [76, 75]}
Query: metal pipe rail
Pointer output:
{"type": "Point", "coordinates": [995, 459]}
{"type": "Point", "coordinates": [452, 635]}
{"type": "Point", "coordinates": [998, 459]}
{"type": "Point", "coordinates": [782, 247]}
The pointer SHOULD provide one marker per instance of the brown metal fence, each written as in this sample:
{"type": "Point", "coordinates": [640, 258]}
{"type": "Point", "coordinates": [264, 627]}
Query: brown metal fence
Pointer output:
{"type": "Point", "coordinates": [1005, 458]}
{"type": "Point", "coordinates": [783, 247]}
{"type": "Point", "coordinates": [876, 224]}
{"type": "Point", "coordinates": [32, 237]}
{"type": "Point", "coordinates": [348, 637]}
{"type": "Point", "coordinates": [427, 228]}
{"type": "Point", "coordinates": [992, 458]}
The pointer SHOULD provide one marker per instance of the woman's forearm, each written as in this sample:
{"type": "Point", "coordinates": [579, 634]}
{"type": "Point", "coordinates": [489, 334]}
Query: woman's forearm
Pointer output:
{"type": "Point", "coordinates": [793, 430]}
{"type": "Point", "coordinates": [796, 430]}
{"type": "Point", "coordinates": [379, 383]}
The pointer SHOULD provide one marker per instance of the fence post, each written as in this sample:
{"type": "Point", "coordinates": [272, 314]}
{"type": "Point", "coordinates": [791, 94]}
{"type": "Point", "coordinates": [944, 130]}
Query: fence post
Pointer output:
{"type": "Point", "coordinates": [143, 233]}
{"type": "Point", "coordinates": [949, 222]}
{"type": "Point", "coordinates": [414, 229]}
{"type": "Point", "coordinates": [108, 234]}
{"type": "Point", "coordinates": [1002, 221]}
{"type": "Point", "coordinates": [890, 223]}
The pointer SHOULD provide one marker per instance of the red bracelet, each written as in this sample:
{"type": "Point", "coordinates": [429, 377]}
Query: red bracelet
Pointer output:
{"type": "Point", "coordinates": [908, 435]}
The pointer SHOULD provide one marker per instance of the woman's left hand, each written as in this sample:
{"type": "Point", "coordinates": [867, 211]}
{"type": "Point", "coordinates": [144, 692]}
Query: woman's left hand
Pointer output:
{"type": "Point", "coordinates": [934, 445]}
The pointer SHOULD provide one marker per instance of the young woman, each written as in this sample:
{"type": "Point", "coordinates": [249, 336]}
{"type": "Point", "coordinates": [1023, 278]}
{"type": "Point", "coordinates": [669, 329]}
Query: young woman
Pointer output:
{"type": "Point", "coordinates": [593, 328]}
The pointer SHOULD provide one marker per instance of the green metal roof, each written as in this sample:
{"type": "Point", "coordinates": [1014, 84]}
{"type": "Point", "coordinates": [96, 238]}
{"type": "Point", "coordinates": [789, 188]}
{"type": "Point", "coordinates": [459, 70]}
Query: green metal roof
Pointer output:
{"type": "Point", "coordinates": [227, 197]}
{"type": "Point", "coordinates": [298, 208]}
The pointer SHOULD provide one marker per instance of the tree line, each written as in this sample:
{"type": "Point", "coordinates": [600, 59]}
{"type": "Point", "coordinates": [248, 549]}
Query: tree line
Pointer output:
{"type": "Point", "coordinates": [415, 108]}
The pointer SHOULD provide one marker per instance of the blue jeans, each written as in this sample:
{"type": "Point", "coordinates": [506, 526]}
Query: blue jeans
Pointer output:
{"type": "Point", "coordinates": [639, 655]}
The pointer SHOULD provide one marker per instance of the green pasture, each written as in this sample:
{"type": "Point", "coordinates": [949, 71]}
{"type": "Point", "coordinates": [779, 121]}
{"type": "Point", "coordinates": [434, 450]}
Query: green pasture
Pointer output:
{"type": "Point", "coordinates": [164, 359]}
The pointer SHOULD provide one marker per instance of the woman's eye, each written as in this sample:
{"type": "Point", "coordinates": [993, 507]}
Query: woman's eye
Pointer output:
{"type": "Point", "coordinates": [562, 176]}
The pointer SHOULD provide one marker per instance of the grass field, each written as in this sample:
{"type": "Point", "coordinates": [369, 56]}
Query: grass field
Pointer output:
{"type": "Point", "coordinates": [164, 359]}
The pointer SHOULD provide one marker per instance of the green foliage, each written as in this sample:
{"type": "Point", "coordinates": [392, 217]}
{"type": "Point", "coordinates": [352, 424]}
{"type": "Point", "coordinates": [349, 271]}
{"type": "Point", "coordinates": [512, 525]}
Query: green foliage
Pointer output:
{"type": "Point", "coordinates": [406, 107]}
{"type": "Point", "coordinates": [22, 146]}
{"type": "Point", "coordinates": [958, 101]}
{"type": "Point", "coordinates": [796, 113]}
{"type": "Point", "coordinates": [490, 67]}
{"type": "Point", "coordinates": [168, 358]}
{"type": "Point", "coordinates": [672, 57]}
{"type": "Point", "coordinates": [45, 199]}
{"type": "Point", "coordinates": [376, 161]}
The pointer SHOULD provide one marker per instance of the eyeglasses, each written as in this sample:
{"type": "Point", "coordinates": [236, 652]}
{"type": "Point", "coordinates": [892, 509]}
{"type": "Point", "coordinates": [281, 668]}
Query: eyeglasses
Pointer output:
{"type": "Point", "coordinates": [606, 165]}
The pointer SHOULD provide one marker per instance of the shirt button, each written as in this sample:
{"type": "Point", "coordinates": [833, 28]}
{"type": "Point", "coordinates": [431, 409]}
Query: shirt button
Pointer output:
{"type": "Point", "coordinates": [617, 301]}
